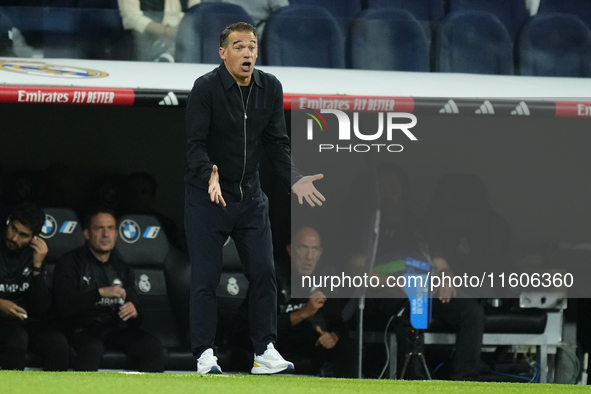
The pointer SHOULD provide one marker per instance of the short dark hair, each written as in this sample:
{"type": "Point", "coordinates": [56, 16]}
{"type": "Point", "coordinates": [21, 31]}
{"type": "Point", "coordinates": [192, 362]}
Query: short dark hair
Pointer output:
{"type": "Point", "coordinates": [242, 27]}
{"type": "Point", "coordinates": [94, 212]}
{"type": "Point", "coordinates": [29, 215]}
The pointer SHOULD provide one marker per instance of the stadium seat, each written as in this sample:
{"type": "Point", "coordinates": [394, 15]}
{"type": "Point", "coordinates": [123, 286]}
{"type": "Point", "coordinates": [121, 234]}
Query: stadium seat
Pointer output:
{"type": "Point", "coordinates": [198, 34]}
{"type": "Point", "coordinates": [342, 10]}
{"type": "Point", "coordinates": [162, 275]}
{"type": "Point", "coordinates": [473, 42]}
{"type": "Point", "coordinates": [423, 10]}
{"type": "Point", "coordinates": [578, 8]}
{"type": "Point", "coordinates": [103, 35]}
{"type": "Point", "coordinates": [534, 327]}
{"type": "Point", "coordinates": [388, 39]}
{"type": "Point", "coordinates": [303, 36]}
{"type": "Point", "coordinates": [62, 231]}
{"type": "Point", "coordinates": [512, 13]}
{"type": "Point", "coordinates": [337, 8]}
{"type": "Point", "coordinates": [555, 45]}
{"type": "Point", "coordinates": [61, 34]}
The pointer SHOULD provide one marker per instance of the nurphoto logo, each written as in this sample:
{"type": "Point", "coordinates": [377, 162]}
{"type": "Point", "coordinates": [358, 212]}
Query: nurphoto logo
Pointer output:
{"type": "Point", "coordinates": [346, 132]}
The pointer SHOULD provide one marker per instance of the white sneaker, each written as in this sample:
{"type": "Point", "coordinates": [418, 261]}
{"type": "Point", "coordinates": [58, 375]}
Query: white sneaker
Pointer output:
{"type": "Point", "coordinates": [270, 362]}
{"type": "Point", "coordinates": [208, 363]}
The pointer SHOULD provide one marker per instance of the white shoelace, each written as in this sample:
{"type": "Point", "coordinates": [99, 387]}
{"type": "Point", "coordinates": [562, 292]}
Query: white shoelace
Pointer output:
{"type": "Point", "coordinates": [207, 358]}
{"type": "Point", "coordinates": [273, 353]}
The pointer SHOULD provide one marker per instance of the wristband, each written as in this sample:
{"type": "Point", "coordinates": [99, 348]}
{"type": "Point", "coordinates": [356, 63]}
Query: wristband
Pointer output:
{"type": "Point", "coordinates": [38, 269]}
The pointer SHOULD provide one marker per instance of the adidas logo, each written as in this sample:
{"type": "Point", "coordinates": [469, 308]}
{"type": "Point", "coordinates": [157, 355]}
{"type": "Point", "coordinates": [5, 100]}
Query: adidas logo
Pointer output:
{"type": "Point", "coordinates": [485, 109]}
{"type": "Point", "coordinates": [521, 109]}
{"type": "Point", "coordinates": [450, 108]}
{"type": "Point", "coordinates": [169, 99]}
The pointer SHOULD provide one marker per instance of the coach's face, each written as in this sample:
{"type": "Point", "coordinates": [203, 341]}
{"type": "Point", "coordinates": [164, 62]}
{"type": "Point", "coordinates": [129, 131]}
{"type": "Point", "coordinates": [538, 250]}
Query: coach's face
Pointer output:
{"type": "Point", "coordinates": [305, 251]}
{"type": "Point", "coordinates": [240, 55]}
{"type": "Point", "coordinates": [102, 233]}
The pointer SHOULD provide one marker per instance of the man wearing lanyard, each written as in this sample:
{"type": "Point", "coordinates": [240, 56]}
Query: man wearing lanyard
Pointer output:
{"type": "Point", "coordinates": [232, 113]}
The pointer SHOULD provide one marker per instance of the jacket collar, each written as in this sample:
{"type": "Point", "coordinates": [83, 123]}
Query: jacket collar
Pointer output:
{"type": "Point", "coordinates": [228, 80]}
{"type": "Point", "coordinates": [93, 258]}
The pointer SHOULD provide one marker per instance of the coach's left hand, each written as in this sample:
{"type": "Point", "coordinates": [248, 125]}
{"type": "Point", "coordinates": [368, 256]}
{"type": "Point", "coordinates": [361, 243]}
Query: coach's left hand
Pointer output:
{"type": "Point", "coordinates": [304, 189]}
{"type": "Point", "coordinates": [128, 311]}
{"type": "Point", "coordinates": [327, 340]}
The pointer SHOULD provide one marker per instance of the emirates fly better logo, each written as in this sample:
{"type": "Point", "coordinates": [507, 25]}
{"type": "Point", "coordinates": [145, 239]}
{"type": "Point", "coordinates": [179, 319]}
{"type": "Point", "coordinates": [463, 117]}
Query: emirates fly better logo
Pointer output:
{"type": "Point", "coordinates": [390, 119]}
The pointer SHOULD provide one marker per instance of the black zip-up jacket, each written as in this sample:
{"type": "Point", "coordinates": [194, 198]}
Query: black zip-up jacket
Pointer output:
{"type": "Point", "coordinates": [20, 285]}
{"type": "Point", "coordinates": [220, 132]}
{"type": "Point", "coordinates": [329, 318]}
{"type": "Point", "coordinates": [76, 282]}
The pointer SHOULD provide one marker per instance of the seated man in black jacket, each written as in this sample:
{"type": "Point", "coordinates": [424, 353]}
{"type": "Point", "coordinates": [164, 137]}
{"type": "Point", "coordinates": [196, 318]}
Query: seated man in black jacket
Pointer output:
{"type": "Point", "coordinates": [312, 327]}
{"type": "Point", "coordinates": [24, 297]}
{"type": "Point", "coordinates": [95, 294]}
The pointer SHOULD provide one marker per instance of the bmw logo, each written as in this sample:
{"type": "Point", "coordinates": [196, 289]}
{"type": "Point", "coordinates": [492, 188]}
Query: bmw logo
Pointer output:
{"type": "Point", "coordinates": [49, 227]}
{"type": "Point", "coordinates": [130, 231]}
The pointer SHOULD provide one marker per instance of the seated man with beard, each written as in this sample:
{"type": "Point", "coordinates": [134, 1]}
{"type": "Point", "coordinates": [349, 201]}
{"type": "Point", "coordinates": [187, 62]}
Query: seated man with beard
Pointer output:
{"type": "Point", "coordinates": [25, 299]}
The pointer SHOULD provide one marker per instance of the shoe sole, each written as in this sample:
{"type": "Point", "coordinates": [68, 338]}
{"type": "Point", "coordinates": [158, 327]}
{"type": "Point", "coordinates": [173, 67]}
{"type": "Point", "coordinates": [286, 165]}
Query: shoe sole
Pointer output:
{"type": "Point", "coordinates": [213, 370]}
{"type": "Point", "coordinates": [268, 371]}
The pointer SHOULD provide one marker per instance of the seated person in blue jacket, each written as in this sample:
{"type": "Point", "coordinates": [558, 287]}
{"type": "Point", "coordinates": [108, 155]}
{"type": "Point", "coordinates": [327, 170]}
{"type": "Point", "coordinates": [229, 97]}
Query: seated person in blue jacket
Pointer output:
{"type": "Point", "coordinates": [95, 295]}
{"type": "Point", "coordinates": [311, 327]}
{"type": "Point", "coordinates": [25, 299]}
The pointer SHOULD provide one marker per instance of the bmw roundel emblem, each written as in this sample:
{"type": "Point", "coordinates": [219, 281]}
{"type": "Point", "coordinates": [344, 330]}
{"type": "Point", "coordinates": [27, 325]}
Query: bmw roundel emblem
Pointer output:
{"type": "Point", "coordinates": [129, 231]}
{"type": "Point", "coordinates": [49, 227]}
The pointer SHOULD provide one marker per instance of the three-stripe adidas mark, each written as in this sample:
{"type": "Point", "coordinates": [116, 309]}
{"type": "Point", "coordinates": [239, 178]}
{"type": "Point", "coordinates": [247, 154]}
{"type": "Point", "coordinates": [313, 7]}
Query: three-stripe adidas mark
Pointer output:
{"type": "Point", "coordinates": [169, 99]}
{"type": "Point", "coordinates": [521, 109]}
{"type": "Point", "coordinates": [450, 108]}
{"type": "Point", "coordinates": [485, 109]}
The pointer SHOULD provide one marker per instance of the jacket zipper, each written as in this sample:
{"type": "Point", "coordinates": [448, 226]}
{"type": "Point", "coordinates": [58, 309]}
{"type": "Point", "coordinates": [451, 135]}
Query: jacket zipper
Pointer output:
{"type": "Point", "coordinates": [244, 107]}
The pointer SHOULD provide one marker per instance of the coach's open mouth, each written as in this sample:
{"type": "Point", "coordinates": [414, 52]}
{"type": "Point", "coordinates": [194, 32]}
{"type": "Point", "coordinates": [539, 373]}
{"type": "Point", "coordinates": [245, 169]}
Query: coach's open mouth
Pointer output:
{"type": "Point", "coordinates": [246, 66]}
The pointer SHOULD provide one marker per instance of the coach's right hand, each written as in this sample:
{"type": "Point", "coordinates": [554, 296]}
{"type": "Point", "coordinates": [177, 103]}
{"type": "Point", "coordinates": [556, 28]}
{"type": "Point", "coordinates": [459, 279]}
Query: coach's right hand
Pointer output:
{"type": "Point", "coordinates": [304, 189]}
{"type": "Point", "coordinates": [315, 302]}
{"type": "Point", "coordinates": [114, 291]}
{"type": "Point", "coordinates": [12, 309]}
{"type": "Point", "coordinates": [215, 190]}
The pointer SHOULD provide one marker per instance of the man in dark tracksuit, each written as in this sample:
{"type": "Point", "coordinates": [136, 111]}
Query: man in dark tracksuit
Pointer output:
{"type": "Point", "coordinates": [311, 327]}
{"type": "Point", "coordinates": [95, 295]}
{"type": "Point", "coordinates": [25, 299]}
{"type": "Point", "coordinates": [232, 113]}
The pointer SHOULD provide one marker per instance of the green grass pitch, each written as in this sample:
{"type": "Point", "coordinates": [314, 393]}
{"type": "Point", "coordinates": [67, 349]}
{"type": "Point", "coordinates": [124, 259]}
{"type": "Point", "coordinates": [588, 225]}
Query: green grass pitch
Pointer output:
{"type": "Point", "coordinates": [119, 383]}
